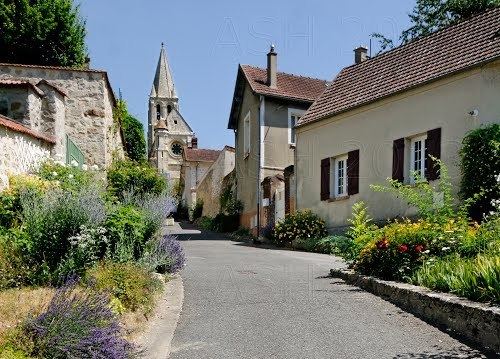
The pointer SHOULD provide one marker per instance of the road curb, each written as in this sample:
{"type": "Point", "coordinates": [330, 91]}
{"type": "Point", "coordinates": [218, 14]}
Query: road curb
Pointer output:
{"type": "Point", "coordinates": [476, 322]}
{"type": "Point", "coordinates": [157, 339]}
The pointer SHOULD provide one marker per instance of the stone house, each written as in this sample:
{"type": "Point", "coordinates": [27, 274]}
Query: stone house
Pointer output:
{"type": "Point", "coordinates": [214, 181]}
{"type": "Point", "coordinates": [72, 106]}
{"type": "Point", "coordinates": [21, 149]}
{"type": "Point", "coordinates": [195, 163]}
{"type": "Point", "coordinates": [386, 116]}
{"type": "Point", "coordinates": [266, 106]}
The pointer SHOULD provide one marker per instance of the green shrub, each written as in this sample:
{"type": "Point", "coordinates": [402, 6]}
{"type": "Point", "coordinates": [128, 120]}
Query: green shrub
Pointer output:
{"type": "Point", "coordinates": [197, 210]}
{"type": "Point", "coordinates": [132, 285]}
{"type": "Point", "coordinates": [225, 223]}
{"type": "Point", "coordinates": [477, 279]}
{"type": "Point", "coordinates": [50, 220]}
{"type": "Point", "coordinates": [132, 177]}
{"type": "Point", "coordinates": [205, 223]}
{"type": "Point", "coordinates": [300, 225]}
{"type": "Point", "coordinates": [15, 269]}
{"type": "Point", "coordinates": [480, 164]}
{"type": "Point", "coordinates": [67, 177]}
{"type": "Point", "coordinates": [338, 245]}
{"type": "Point", "coordinates": [135, 141]}
{"type": "Point", "coordinates": [126, 226]}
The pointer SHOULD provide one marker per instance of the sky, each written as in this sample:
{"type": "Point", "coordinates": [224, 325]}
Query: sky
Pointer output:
{"type": "Point", "coordinates": [206, 40]}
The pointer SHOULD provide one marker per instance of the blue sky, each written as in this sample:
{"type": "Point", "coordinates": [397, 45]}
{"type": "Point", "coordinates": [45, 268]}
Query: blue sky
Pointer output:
{"type": "Point", "coordinates": [205, 41]}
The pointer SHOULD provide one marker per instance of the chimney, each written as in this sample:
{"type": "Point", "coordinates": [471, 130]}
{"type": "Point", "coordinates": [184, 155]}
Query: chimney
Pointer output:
{"type": "Point", "coordinates": [360, 54]}
{"type": "Point", "coordinates": [272, 68]}
{"type": "Point", "coordinates": [194, 142]}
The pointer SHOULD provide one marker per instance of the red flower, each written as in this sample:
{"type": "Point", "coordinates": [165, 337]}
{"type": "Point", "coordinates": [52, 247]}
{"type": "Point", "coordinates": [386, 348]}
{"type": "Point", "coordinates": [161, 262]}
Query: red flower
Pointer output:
{"type": "Point", "coordinates": [403, 248]}
{"type": "Point", "coordinates": [419, 248]}
{"type": "Point", "coordinates": [382, 244]}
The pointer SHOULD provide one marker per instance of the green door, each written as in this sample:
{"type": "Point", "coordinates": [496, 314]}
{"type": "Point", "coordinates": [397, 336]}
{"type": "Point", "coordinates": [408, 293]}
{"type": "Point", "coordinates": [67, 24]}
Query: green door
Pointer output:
{"type": "Point", "coordinates": [73, 153]}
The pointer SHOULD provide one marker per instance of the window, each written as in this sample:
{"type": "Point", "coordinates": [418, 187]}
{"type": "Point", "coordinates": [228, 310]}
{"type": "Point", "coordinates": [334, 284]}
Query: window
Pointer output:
{"type": "Point", "coordinates": [169, 109]}
{"type": "Point", "coordinates": [417, 158]}
{"type": "Point", "coordinates": [294, 116]}
{"type": "Point", "coordinates": [158, 112]}
{"type": "Point", "coordinates": [177, 149]}
{"type": "Point", "coordinates": [246, 134]}
{"type": "Point", "coordinates": [339, 176]}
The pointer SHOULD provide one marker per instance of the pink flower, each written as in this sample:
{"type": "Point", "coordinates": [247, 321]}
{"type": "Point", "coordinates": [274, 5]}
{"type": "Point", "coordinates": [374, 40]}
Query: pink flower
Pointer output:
{"type": "Point", "coordinates": [383, 243]}
{"type": "Point", "coordinates": [419, 248]}
{"type": "Point", "coordinates": [403, 248]}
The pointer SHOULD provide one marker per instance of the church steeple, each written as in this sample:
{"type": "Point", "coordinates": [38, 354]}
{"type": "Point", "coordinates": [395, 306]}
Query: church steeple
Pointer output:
{"type": "Point", "coordinates": [163, 85]}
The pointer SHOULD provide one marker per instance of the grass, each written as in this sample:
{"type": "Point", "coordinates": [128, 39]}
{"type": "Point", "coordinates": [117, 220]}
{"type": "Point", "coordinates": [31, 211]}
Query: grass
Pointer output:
{"type": "Point", "coordinates": [18, 304]}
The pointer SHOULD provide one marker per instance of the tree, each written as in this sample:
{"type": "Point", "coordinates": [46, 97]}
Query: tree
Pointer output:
{"type": "Point", "coordinates": [42, 32]}
{"type": "Point", "coordinates": [135, 141]}
{"type": "Point", "coordinates": [429, 16]}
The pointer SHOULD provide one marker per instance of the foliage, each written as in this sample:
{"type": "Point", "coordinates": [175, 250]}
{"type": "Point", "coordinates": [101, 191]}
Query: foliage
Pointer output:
{"type": "Point", "coordinates": [133, 286]}
{"type": "Point", "coordinates": [229, 204]}
{"type": "Point", "coordinates": [135, 140]}
{"type": "Point", "coordinates": [132, 177]}
{"type": "Point", "coordinates": [78, 323]}
{"type": "Point", "coordinates": [197, 210]}
{"type": "Point", "coordinates": [429, 16]}
{"type": "Point", "coordinates": [205, 223]}
{"type": "Point", "coordinates": [10, 203]}
{"type": "Point", "coordinates": [164, 255]}
{"type": "Point", "coordinates": [15, 270]}
{"type": "Point", "coordinates": [480, 165]}
{"type": "Point", "coordinates": [50, 220]}
{"type": "Point", "coordinates": [434, 203]}
{"type": "Point", "coordinates": [126, 227]}
{"type": "Point", "coordinates": [42, 32]}
{"type": "Point", "coordinates": [361, 222]}
{"type": "Point", "coordinates": [477, 278]}
{"type": "Point", "coordinates": [71, 178]}
{"type": "Point", "coordinates": [226, 223]}
{"type": "Point", "coordinates": [302, 224]}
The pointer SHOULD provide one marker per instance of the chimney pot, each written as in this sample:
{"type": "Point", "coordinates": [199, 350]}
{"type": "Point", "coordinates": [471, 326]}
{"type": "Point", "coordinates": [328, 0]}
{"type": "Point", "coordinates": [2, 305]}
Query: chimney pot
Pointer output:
{"type": "Point", "coordinates": [360, 54]}
{"type": "Point", "coordinates": [194, 142]}
{"type": "Point", "coordinates": [272, 68]}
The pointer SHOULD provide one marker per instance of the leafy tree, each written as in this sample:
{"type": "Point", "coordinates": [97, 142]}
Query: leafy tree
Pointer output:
{"type": "Point", "coordinates": [429, 16]}
{"type": "Point", "coordinates": [135, 141]}
{"type": "Point", "coordinates": [42, 32]}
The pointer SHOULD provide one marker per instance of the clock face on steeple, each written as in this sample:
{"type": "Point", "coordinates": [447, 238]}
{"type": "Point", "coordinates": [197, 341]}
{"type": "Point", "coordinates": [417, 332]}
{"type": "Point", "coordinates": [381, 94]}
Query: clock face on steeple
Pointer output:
{"type": "Point", "coordinates": [177, 149]}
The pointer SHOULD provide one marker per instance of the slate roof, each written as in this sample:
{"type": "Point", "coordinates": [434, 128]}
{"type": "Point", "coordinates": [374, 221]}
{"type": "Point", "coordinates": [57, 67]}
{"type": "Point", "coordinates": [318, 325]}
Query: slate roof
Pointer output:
{"type": "Point", "coordinates": [17, 127]}
{"type": "Point", "coordinates": [289, 86]}
{"type": "Point", "coordinates": [200, 155]}
{"type": "Point", "coordinates": [460, 47]}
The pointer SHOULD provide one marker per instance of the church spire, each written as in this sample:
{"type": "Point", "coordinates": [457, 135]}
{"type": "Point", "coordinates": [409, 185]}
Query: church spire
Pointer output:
{"type": "Point", "coordinates": [163, 85]}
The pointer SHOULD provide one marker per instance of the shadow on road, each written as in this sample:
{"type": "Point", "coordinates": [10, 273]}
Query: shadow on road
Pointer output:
{"type": "Point", "coordinates": [462, 353]}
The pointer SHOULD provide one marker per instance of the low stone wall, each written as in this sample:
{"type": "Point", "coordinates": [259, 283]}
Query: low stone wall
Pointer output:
{"type": "Point", "coordinates": [476, 322]}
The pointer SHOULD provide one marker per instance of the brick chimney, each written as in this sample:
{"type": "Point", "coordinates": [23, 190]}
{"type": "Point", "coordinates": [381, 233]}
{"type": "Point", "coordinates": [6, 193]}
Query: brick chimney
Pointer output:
{"type": "Point", "coordinates": [272, 68]}
{"type": "Point", "coordinates": [360, 54]}
{"type": "Point", "coordinates": [194, 142]}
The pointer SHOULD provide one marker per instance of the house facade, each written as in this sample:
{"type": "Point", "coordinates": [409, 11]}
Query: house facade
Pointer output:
{"type": "Point", "coordinates": [215, 180]}
{"type": "Point", "coordinates": [266, 106]}
{"type": "Point", "coordinates": [195, 164]}
{"type": "Point", "coordinates": [388, 116]}
{"type": "Point", "coordinates": [72, 106]}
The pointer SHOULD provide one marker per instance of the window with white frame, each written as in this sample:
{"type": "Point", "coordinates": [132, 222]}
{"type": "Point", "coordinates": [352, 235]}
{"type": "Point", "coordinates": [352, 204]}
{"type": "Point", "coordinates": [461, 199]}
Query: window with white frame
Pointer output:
{"type": "Point", "coordinates": [417, 158]}
{"type": "Point", "coordinates": [294, 116]}
{"type": "Point", "coordinates": [339, 176]}
{"type": "Point", "coordinates": [246, 134]}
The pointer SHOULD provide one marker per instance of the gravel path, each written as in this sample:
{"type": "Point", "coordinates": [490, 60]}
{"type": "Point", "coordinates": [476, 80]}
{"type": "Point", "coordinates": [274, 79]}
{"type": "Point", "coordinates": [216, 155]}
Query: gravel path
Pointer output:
{"type": "Point", "coordinates": [249, 302]}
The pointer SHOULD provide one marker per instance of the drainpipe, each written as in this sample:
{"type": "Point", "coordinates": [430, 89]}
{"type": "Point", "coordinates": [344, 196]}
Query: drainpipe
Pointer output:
{"type": "Point", "coordinates": [260, 163]}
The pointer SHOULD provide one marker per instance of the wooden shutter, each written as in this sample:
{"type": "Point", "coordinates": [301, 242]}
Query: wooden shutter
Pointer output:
{"type": "Point", "coordinates": [398, 160]}
{"type": "Point", "coordinates": [325, 179]}
{"type": "Point", "coordinates": [433, 149]}
{"type": "Point", "coordinates": [353, 172]}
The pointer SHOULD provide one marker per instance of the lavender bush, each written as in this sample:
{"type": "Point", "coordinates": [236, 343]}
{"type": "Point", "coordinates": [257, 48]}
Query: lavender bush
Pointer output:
{"type": "Point", "coordinates": [78, 323]}
{"type": "Point", "coordinates": [164, 255]}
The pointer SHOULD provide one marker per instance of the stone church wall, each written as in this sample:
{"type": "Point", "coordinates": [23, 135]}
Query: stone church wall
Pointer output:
{"type": "Point", "coordinates": [89, 109]}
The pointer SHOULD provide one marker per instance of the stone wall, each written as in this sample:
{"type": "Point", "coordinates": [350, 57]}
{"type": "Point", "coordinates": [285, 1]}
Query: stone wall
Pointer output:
{"type": "Point", "coordinates": [89, 108]}
{"type": "Point", "coordinates": [20, 153]}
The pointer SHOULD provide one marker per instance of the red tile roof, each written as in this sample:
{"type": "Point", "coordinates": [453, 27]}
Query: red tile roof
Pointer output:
{"type": "Point", "coordinates": [200, 155]}
{"type": "Point", "coordinates": [291, 87]}
{"type": "Point", "coordinates": [463, 46]}
{"type": "Point", "coordinates": [17, 127]}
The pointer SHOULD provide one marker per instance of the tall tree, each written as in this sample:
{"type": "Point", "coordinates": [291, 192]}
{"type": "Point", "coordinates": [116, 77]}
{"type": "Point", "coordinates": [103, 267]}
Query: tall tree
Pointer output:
{"type": "Point", "coordinates": [429, 16]}
{"type": "Point", "coordinates": [42, 32]}
{"type": "Point", "coordinates": [133, 132]}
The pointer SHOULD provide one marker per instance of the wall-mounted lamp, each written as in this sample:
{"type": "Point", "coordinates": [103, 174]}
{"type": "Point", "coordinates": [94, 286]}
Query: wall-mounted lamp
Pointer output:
{"type": "Point", "coordinates": [474, 113]}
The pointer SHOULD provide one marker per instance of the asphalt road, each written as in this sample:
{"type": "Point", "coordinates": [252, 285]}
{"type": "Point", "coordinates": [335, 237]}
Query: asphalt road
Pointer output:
{"type": "Point", "coordinates": [246, 302]}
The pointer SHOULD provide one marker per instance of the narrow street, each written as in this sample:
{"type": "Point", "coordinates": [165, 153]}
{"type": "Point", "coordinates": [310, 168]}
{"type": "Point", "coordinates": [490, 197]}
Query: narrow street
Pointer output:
{"type": "Point", "coordinates": [250, 302]}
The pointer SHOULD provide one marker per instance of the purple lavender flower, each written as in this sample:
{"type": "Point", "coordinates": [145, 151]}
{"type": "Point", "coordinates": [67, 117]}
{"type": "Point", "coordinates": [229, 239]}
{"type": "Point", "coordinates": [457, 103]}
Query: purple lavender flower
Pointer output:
{"type": "Point", "coordinates": [78, 324]}
{"type": "Point", "coordinates": [165, 255]}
